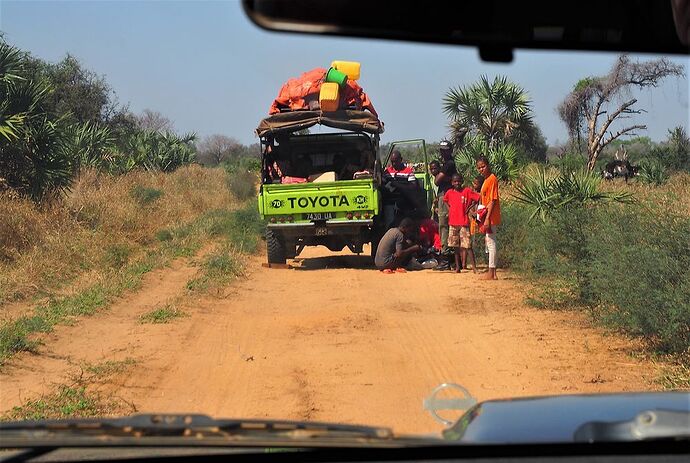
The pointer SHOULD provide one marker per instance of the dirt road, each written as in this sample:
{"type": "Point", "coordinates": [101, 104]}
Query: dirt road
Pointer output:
{"type": "Point", "coordinates": [332, 343]}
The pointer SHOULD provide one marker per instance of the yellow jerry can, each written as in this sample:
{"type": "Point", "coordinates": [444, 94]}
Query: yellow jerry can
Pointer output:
{"type": "Point", "coordinates": [329, 96]}
{"type": "Point", "coordinates": [351, 68]}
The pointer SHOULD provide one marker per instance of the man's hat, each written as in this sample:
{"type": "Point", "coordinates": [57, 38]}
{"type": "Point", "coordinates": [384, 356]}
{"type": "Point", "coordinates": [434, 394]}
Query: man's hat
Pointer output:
{"type": "Point", "coordinates": [445, 145]}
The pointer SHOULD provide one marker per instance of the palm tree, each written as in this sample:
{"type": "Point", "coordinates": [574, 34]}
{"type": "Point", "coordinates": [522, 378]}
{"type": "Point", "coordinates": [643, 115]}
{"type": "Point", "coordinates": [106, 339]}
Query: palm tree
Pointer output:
{"type": "Point", "coordinates": [153, 151]}
{"type": "Point", "coordinates": [502, 158]}
{"type": "Point", "coordinates": [546, 191]}
{"type": "Point", "coordinates": [33, 159]}
{"type": "Point", "coordinates": [10, 66]}
{"type": "Point", "coordinates": [495, 111]}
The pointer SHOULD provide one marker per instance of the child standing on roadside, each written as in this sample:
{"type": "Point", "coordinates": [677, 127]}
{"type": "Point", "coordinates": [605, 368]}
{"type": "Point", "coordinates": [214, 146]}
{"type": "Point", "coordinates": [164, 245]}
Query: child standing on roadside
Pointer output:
{"type": "Point", "coordinates": [459, 201]}
{"type": "Point", "coordinates": [472, 216]}
{"type": "Point", "coordinates": [489, 225]}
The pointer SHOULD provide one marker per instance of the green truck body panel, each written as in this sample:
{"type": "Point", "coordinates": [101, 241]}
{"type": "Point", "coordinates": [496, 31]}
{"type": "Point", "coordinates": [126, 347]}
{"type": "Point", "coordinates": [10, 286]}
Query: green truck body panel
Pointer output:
{"type": "Point", "coordinates": [336, 214]}
{"type": "Point", "coordinates": [300, 199]}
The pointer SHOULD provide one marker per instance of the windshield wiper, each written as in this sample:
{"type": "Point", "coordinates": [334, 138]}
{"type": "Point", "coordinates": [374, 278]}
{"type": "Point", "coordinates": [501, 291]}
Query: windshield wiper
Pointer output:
{"type": "Point", "coordinates": [154, 430]}
{"type": "Point", "coordinates": [648, 425]}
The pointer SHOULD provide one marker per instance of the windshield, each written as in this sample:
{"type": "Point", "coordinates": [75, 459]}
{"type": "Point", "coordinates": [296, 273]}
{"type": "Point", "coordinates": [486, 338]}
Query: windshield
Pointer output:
{"type": "Point", "coordinates": [158, 256]}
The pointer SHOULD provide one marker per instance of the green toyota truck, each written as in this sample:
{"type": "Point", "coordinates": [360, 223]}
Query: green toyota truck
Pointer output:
{"type": "Point", "coordinates": [330, 189]}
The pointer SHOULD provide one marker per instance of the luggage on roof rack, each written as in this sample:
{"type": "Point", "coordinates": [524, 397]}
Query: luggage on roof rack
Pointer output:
{"type": "Point", "coordinates": [302, 94]}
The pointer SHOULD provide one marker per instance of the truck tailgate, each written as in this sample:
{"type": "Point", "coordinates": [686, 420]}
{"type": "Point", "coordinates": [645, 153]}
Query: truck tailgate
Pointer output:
{"type": "Point", "coordinates": [303, 198]}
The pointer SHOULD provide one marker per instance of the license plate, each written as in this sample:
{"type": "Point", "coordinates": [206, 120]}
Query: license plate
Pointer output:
{"type": "Point", "coordinates": [319, 216]}
{"type": "Point", "coordinates": [321, 231]}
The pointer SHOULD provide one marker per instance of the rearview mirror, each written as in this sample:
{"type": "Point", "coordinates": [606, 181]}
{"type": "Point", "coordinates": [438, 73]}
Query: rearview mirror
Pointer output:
{"type": "Point", "coordinates": [496, 27]}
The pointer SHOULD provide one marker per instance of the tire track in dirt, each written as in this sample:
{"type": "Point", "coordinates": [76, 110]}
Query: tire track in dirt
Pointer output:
{"type": "Point", "coordinates": [111, 334]}
{"type": "Point", "coordinates": [330, 343]}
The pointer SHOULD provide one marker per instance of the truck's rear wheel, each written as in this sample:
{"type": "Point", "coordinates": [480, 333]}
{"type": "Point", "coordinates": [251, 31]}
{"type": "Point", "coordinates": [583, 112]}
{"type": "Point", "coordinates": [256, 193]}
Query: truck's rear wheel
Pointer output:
{"type": "Point", "coordinates": [275, 247]}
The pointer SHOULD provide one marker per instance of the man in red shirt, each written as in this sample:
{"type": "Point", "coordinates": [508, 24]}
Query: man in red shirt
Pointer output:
{"type": "Point", "coordinates": [459, 201]}
{"type": "Point", "coordinates": [398, 168]}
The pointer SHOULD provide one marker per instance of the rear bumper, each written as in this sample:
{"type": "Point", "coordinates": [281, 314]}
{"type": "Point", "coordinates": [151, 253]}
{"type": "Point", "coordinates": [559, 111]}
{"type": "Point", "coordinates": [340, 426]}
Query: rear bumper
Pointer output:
{"type": "Point", "coordinates": [335, 224]}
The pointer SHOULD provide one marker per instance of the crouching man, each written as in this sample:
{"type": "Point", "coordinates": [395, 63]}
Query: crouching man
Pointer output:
{"type": "Point", "coordinates": [396, 250]}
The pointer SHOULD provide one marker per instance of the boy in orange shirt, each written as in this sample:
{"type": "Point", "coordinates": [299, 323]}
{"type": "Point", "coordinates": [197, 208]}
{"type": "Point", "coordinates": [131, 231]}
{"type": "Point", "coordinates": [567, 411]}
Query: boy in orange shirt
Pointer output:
{"type": "Point", "coordinates": [492, 219]}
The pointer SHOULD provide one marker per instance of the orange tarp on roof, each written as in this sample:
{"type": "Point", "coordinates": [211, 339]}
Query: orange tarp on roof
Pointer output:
{"type": "Point", "coordinates": [302, 93]}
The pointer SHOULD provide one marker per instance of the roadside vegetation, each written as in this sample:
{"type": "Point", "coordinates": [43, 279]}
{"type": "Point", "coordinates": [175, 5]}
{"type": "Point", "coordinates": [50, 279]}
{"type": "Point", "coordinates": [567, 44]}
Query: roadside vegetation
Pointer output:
{"type": "Point", "coordinates": [81, 397]}
{"type": "Point", "coordinates": [625, 262]}
{"type": "Point", "coordinates": [93, 197]}
{"type": "Point", "coordinates": [162, 315]}
{"type": "Point", "coordinates": [102, 226]}
{"type": "Point", "coordinates": [617, 251]}
{"type": "Point", "coordinates": [80, 287]}
{"type": "Point", "coordinates": [239, 235]}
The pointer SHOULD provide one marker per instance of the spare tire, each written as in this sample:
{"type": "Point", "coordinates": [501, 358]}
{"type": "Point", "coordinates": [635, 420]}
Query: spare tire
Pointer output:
{"type": "Point", "coordinates": [275, 247]}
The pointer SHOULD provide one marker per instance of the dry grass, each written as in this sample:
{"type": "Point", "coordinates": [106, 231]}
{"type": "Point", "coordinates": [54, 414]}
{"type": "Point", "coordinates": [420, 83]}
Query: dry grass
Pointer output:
{"type": "Point", "coordinates": [101, 224]}
{"type": "Point", "coordinates": [674, 193]}
{"type": "Point", "coordinates": [82, 397]}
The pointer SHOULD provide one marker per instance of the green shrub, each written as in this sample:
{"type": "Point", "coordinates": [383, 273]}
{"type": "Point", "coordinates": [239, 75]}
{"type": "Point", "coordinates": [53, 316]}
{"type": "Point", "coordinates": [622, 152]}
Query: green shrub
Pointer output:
{"type": "Point", "coordinates": [145, 195]}
{"type": "Point", "coordinates": [570, 162]}
{"type": "Point", "coordinates": [246, 164]}
{"type": "Point", "coordinates": [639, 276]}
{"type": "Point", "coordinates": [627, 263]}
{"type": "Point", "coordinates": [117, 255]}
{"type": "Point", "coordinates": [502, 157]}
{"type": "Point", "coordinates": [241, 228]}
{"type": "Point", "coordinates": [653, 172]}
{"type": "Point", "coordinates": [242, 184]}
{"type": "Point", "coordinates": [546, 192]}
{"type": "Point", "coordinates": [35, 159]}
{"type": "Point", "coordinates": [152, 151]}
{"type": "Point", "coordinates": [164, 235]}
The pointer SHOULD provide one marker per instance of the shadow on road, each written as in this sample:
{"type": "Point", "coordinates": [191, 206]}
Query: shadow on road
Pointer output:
{"type": "Point", "coordinates": [333, 262]}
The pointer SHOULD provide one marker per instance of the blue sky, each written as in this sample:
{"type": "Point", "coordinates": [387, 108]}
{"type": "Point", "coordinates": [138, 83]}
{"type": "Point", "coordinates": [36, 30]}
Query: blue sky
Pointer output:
{"type": "Point", "coordinates": [207, 68]}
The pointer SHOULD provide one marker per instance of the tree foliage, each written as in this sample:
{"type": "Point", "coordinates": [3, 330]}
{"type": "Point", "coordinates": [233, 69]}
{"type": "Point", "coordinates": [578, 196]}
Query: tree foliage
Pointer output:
{"type": "Point", "coordinates": [494, 119]}
{"type": "Point", "coordinates": [679, 148]}
{"type": "Point", "coordinates": [56, 119]}
{"type": "Point", "coordinates": [497, 111]}
{"type": "Point", "coordinates": [587, 110]}
{"type": "Point", "coordinates": [78, 94]}
{"type": "Point", "coordinates": [531, 144]}
{"type": "Point", "coordinates": [33, 155]}
{"type": "Point", "coordinates": [503, 158]}
{"type": "Point", "coordinates": [653, 172]}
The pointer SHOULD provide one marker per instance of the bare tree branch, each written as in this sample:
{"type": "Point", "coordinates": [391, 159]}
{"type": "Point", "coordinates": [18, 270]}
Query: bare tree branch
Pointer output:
{"type": "Point", "coordinates": [622, 132]}
{"type": "Point", "coordinates": [217, 148]}
{"type": "Point", "coordinates": [154, 121]}
{"type": "Point", "coordinates": [609, 120]}
{"type": "Point", "coordinates": [581, 109]}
